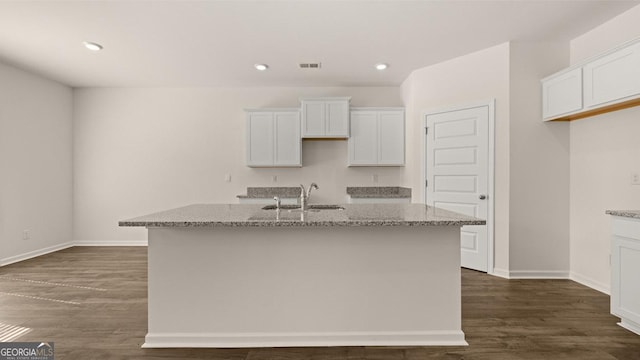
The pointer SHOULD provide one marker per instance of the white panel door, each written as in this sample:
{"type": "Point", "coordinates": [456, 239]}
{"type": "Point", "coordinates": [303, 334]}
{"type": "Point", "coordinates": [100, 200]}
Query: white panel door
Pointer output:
{"type": "Point", "coordinates": [259, 139]}
{"type": "Point", "coordinates": [391, 138]}
{"type": "Point", "coordinates": [457, 148]}
{"type": "Point", "coordinates": [287, 139]}
{"type": "Point", "coordinates": [363, 143]}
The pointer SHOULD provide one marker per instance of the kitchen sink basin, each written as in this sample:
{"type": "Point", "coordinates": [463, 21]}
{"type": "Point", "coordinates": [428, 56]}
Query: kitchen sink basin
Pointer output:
{"type": "Point", "coordinates": [310, 207]}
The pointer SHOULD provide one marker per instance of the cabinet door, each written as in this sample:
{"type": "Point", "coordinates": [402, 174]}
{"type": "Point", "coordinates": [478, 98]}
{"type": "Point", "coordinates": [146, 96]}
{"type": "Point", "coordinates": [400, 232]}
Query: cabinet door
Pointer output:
{"type": "Point", "coordinates": [625, 267]}
{"type": "Point", "coordinates": [260, 139]}
{"type": "Point", "coordinates": [287, 139]}
{"type": "Point", "coordinates": [337, 118]}
{"type": "Point", "coordinates": [562, 94]}
{"type": "Point", "coordinates": [391, 138]}
{"type": "Point", "coordinates": [625, 294]}
{"type": "Point", "coordinates": [313, 118]}
{"type": "Point", "coordinates": [363, 142]}
{"type": "Point", "coordinates": [613, 78]}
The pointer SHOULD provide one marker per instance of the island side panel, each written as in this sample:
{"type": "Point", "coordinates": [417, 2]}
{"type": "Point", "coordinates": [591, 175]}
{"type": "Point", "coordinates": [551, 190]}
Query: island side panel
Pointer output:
{"type": "Point", "coordinates": [304, 286]}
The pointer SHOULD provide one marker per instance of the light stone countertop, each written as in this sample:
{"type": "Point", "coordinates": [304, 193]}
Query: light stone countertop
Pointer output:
{"type": "Point", "coordinates": [250, 215]}
{"type": "Point", "coordinates": [378, 192]}
{"type": "Point", "coordinates": [270, 192]}
{"type": "Point", "coordinates": [625, 213]}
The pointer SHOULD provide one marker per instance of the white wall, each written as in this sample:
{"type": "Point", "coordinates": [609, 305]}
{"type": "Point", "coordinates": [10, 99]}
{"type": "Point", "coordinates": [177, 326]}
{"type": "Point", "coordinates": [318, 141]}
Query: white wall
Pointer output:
{"type": "Point", "coordinates": [480, 76]}
{"type": "Point", "coordinates": [532, 157]}
{"type": "Point", "coordinates": [604, 151]}
{"type": "Point", "coordinates": [143, 150]}
{"type": "Point", "coordinates": [35, 164]}
{"type": "Point", "coordinates": [539, 167]}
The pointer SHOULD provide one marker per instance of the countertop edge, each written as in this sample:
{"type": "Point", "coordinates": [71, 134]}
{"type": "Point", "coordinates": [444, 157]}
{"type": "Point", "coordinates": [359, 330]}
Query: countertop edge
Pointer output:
{"type": "Point", "coordinates": [267, 197]}
{"type": "Point", "coordinates": [633, 214]}
{"type": "Point", "coordinates": [380, 196]}
{"type": "Point", "coordinates": [182, 224]}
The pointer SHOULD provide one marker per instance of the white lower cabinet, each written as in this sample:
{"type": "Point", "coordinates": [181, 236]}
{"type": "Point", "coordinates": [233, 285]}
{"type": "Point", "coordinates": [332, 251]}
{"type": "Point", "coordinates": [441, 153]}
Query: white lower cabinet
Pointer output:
{"type": "Point", "coordinates": [377, 137]}
{"type": "Point", "coordinates": [625, 272]}
{"type": "Point", "coordinates": [273, 138]}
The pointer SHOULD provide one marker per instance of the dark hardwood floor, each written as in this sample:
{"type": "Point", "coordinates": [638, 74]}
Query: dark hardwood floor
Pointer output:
{"type": "Point", "coordinates": [92, 303]}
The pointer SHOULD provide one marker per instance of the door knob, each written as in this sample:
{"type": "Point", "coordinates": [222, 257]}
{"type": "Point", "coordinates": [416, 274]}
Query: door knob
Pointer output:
{"type": "Point", "coordinates": [482, 196]}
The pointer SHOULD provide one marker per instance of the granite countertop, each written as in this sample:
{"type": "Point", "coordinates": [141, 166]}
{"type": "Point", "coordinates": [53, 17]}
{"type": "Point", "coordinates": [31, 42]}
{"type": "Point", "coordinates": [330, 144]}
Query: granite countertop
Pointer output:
{"type": "Point", "coordinates": [625, 213]}
{"type": "Point", "coordinates": [383, 192]}
{"type": "Point", "coordinates": [270, 192]}
{"type": "Point", "coordinates": [243, 215]}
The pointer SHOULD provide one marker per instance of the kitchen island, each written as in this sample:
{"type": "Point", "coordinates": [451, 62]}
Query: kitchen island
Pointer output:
{"type": "Point", "coordinates": [365, 274]}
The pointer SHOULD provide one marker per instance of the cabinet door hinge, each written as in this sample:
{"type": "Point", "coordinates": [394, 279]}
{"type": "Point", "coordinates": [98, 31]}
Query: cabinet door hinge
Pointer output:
{"type": "Point", "coordinates": [426, 183]}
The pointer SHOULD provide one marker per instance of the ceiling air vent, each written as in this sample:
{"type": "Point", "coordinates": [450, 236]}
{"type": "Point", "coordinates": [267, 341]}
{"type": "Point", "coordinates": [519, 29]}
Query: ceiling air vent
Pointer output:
{"type": "Point", "coordinates": [309, 65]}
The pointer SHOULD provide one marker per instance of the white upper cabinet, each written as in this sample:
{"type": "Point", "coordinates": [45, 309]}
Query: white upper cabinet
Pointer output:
{"type": "Point", "coordinates": [604, 83]}
{"type": "Point", "coordinates": [273, 138]}
{"type": "Point", "coordinates": [287, 141]}
{"type": "Point", "coordinates": [363, 143]}
{"type": "Point", "coordinates": [325, 117]}
{"type": "Point", "coordinates": [612, 78]}
{"type": "Point", "coordinates": [562, 94]}
{"type": "Point", "coordinates": [377, 137]}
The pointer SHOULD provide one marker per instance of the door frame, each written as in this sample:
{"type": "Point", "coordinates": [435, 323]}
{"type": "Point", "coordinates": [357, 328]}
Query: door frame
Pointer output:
{"type": "Point", "coordinates": [490, 167]}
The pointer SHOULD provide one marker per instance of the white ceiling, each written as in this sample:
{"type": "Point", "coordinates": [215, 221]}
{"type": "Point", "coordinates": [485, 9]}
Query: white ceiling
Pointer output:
{"type": "Point", "coordinates": [216, 43]}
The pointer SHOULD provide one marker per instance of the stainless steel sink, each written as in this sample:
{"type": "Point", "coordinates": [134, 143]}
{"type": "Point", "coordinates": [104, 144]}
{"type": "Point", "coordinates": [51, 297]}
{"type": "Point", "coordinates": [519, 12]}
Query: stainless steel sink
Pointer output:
{"type": "Point", "coordinates": [311, 207]}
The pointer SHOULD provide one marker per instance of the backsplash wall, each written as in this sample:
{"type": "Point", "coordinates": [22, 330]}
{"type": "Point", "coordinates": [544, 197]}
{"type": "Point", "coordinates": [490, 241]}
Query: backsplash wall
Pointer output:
{"type": "Point", "coordinates": [143, 150]}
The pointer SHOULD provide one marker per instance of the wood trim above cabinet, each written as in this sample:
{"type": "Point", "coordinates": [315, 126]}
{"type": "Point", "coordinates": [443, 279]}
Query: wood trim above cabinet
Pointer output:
{"type": "Point", "coordinates": [601, 110]}
{"type": "Point", "coordinates": [604, 83]}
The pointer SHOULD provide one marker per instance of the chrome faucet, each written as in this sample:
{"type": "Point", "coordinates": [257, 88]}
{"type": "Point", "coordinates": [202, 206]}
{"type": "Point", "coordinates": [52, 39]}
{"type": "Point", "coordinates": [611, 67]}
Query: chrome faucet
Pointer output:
{"type": "Point", "coordinates": [304, 195]}
{"type": "Point", "coordinates": [277, 199]}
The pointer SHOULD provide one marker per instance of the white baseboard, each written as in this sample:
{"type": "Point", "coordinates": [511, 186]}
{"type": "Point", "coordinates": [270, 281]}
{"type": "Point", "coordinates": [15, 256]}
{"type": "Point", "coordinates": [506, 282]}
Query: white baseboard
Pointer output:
{"type": "Point", "coordinates": [35, 253]}
{"type": "Point", "coordinates": [243, 340]}
{"type": "Point", "coordinates": [630, 325]}
{"type": "Point", "coordinates": [584, 280]}
{"type": "Point", "coordinates": [538, 274]}
{"type": "Point", "coordinates": [500, 273]}
{"type": "Point", "coordinates": [589, 282]}
{"type": "Point", "coordinates": [50, 249]}
{"type": "Point", "coordinates": [530, 274]}
{"type": "Point", "coordinates": [111, 243]}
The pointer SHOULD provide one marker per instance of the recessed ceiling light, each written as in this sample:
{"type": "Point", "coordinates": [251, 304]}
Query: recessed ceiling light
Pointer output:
{"type": "Point", "coordinates": [261, 67]}
{"type": "Point", "coordinates": [92, 46]}
{"type": "Point", "coordinates": [381, 66]}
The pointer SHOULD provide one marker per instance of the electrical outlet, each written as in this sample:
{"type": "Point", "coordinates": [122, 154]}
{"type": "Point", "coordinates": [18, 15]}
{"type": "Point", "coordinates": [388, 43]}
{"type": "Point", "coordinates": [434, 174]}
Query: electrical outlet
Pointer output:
{"type": "Point", "coordinates": [635, 179]}
{"type": "Point", "coordinates": [26, 235]}
{"type": "Point", "coordinates": [374, 178]}
{"type": "Point", "coordinates": [274, 178]}
{"type": "Point", "coordinates": [227, 178]}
